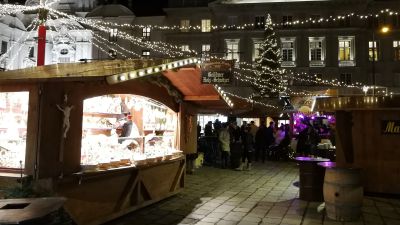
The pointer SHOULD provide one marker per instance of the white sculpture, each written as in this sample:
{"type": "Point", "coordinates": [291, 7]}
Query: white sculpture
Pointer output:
{"type": "Point", "coordinates": [67, 112]}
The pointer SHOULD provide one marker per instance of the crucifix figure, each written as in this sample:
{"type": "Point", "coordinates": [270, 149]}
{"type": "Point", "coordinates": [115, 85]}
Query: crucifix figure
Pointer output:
{"type": "Point", "coordinates": [67, 112]}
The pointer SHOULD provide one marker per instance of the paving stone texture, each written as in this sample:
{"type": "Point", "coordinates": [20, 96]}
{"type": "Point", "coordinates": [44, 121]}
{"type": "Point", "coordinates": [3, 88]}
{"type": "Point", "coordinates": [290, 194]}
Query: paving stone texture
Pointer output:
{"type": "Point", "coordinates": [266, 195]}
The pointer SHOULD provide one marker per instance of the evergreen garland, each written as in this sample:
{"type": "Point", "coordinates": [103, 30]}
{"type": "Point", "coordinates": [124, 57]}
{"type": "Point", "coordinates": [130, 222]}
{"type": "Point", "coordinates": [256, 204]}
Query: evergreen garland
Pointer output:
{"type": "Point", "coordinates": [268, 64]}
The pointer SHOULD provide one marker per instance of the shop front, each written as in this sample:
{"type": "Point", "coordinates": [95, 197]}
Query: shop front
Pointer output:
{"type": "Point", "coordinates": [108, 148]}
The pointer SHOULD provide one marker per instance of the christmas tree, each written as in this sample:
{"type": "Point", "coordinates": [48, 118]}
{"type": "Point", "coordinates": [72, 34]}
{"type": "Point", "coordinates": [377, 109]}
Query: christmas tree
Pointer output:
{"type": "Point", "coordinates": [267, 65]}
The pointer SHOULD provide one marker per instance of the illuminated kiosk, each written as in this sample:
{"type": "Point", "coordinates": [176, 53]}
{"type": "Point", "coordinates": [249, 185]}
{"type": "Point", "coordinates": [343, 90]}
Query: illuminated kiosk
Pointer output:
{"type": "Point", "coordinates": [71, 111]}
{"type": "Point", "coordinates": [367, 137]}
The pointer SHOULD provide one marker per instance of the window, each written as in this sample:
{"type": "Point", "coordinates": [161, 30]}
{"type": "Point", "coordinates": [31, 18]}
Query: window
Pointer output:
{"type": "Point", "coordinates": [259, 22]}
{"type": "Point", "coordinates": [256, 50]}
{"type": "Point", "coordinates": [3, 47]}
{"type": "Point", "coordinates": [232, 49]}
{"type": "Point", "coordinates": [113, 35]}
{"type": "Point", "coordinates": [14, 110]}
{"type": "Point", "coordinates": [146, 33]}
{"type": "Point", "coordinates": [184, 48]}
{"type": "Point", "coordinates": [185, 25]}
{"type": "Point", "coordinates": [373, 49]}
{"type": "Point", "coordinates": [345, 78]}
{"type": "Point", "coordinates": [205, 51]}
{"type": "Point", "coordinates": [288, 52]}
{"type": "Point", "coordinates": [232, 21]}
{"type": "Point", "coordinates": [396, 48]}
{"type": "Point", "coordinates": [346, 51]}
{"type": "Point", "coordinates": [286, 20]}
{"type": "Point", "coordinates": [396, 20]}
{"type": "Point", "coordinates": [205, 25]}
{"type": "Point", "coordinates": [31, 52]}
{"type": "Point", "coordinates": [317, 51]}
{"type": "Point", "coordinates": [146, 53]}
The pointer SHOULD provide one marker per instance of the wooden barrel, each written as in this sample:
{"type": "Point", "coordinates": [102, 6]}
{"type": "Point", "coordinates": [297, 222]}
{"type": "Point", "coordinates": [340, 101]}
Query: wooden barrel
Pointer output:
{"type": "Point", "coordinates": [343, 193]}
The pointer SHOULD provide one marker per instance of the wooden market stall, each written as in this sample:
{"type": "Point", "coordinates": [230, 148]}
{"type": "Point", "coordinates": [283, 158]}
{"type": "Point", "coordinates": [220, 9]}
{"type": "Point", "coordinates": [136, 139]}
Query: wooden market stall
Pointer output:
{"type": "Point", "coordinates": [367, 137]}
{"type": "Point", "coordinates": [58, 127]}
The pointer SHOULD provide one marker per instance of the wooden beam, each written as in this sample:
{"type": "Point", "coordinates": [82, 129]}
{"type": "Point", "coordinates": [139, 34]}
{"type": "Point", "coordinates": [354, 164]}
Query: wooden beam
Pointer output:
{"type": "Point", "coordinates": [201, 98]}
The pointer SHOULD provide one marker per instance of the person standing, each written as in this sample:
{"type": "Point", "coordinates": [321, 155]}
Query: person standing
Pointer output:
{"type": "Point", "coordinates": [269, 136]}
{"type": "Point", "coordinates": [224, 139]}
{"type": "Point", "coordinates": [260, 141]}
{"type": "Point", "coordinates": [248, 148]}
{"type": "Point", "coordinates": [208, 129]}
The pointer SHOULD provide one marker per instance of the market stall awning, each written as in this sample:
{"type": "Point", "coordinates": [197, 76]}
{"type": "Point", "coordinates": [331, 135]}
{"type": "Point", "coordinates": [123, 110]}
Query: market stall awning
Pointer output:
{"type": "Point", "coordinates": [188, 81]}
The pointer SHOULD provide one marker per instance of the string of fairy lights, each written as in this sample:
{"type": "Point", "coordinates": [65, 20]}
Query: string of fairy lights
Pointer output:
{"type": "Point", "coordinates": [33, 25]}
{"type": "Point", "coordinates": [160, 47]}
{"type": "Point", "coordinates": [175, 51]}
{"type": "Point", "coordinates": [246, 26]}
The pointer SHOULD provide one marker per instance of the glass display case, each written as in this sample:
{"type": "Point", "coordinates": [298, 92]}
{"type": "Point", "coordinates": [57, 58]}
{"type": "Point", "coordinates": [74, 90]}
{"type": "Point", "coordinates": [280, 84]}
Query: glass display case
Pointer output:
{"type": "Point", "coordinates": [125, 130]}
{"type": "Point", "coordinates": [13, 125]}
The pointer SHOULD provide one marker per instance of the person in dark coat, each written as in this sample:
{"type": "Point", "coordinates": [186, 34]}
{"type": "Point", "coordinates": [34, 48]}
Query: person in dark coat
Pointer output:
{"type": "Point", "coordinates": [269, 137]}
{"type": "Point", "coordinates": [248, 149]}
{"type": "Point", "coordinates": [261, 142]}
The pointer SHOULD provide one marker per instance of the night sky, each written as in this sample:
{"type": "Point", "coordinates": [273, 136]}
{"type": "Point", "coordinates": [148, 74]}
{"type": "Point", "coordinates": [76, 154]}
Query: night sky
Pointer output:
{"type": "Point", "coordinates": [146, 7]}
{"type": "Point", "coordinates": [140, 7]}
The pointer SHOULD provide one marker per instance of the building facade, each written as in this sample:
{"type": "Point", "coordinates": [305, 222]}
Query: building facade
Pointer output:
{"type": "Point", "coordinates": [340, 49]}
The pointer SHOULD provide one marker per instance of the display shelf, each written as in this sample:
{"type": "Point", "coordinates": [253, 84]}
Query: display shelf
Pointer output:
{"type": "Point", "coordinates": [99, 114]}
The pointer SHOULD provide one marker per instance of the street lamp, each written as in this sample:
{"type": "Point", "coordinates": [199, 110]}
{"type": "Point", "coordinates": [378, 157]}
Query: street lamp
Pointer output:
{"type": "Point", "coordinates": [383, 30]}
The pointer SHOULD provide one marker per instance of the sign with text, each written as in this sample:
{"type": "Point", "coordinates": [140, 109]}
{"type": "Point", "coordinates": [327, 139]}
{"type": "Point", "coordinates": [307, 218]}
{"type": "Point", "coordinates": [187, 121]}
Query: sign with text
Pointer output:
{"type": "Point", "coordinates": [216, 72]}
{"type": "Point", "coordinates": [390, 127]}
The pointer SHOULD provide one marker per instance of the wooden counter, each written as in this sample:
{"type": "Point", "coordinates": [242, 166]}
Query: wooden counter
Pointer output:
{"type": "Point", "coordinates": [98, 197]}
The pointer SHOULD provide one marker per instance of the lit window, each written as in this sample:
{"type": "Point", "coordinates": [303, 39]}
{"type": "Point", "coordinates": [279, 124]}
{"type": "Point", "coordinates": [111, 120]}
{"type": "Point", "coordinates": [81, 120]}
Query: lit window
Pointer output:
{"type": "Point", "coordinates": [206, 25]}
{"type": "Point", "coordinates": [145, 52]}
{"type": "Point", "coordinates": [396, 47]}
{"type": "Point", "coordinates": [345, 78]}
{"type": "Point", "coordinates": [232, 49]}
{"type": "Point", "coordinates": [185, 25]}
{"type": "Point", "coordinates": [185, 48]}
{"type": "Point", "coordinates": [205, 51]}
{"type": "Point", "coordinates": [259, 22]}
{"type": "Point", "coordinates": [373, 50]}
{"type": "Point", "coordinates": [113, 35]}
{"type": "Point", "coordinates": [346, 51]}
{"type": "Point", "coordinates": [146, 33]}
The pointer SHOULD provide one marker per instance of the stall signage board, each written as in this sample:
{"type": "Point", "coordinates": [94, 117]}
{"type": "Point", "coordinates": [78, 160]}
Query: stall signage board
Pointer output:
{"type": "Point", "coordinates": [216, 72]}
{"type": "Point", "coordinates": [390, 127]}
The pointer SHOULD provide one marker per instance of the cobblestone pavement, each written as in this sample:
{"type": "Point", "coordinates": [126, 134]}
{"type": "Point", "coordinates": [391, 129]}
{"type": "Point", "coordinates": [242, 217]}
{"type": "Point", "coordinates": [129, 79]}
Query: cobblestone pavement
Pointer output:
{"type": "Point", "coordinates": [266, 195]}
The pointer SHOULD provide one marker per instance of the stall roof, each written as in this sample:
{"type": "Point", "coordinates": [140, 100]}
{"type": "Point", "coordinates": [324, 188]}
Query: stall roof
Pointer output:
{"type": "Point", "coordinates": [186, 80]}
{"type": "Point", "coordinates": [85, 69]}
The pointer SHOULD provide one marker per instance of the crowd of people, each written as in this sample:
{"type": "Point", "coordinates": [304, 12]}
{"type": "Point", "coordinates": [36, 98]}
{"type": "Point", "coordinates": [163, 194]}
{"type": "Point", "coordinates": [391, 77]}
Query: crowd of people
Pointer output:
{"type": "Point", "coordinates": [256, 143]}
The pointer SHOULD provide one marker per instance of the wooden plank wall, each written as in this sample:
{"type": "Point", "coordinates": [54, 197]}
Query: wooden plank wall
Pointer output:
{"type": "Point", "coordinates": [100, 197]}
{"type": "Point", "coordinates": [378, 155]}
